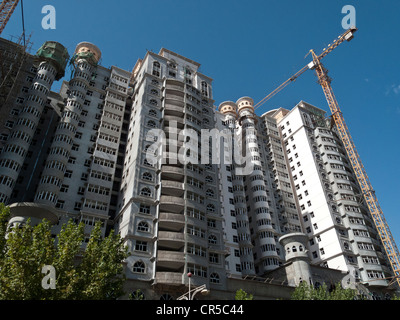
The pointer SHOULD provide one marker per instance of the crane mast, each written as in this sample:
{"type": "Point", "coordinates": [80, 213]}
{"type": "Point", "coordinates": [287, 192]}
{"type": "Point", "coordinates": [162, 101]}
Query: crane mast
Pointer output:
{"type": "Point", "coordinates": [366, 188]}
{"type": "Point", "coordinates": [7, 8]}
{"type": "Point", "coordinates": [359, 170]}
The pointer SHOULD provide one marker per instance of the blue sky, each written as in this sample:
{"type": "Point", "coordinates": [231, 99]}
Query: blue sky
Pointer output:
{"type": "Point", "coordinates": [249, 48]}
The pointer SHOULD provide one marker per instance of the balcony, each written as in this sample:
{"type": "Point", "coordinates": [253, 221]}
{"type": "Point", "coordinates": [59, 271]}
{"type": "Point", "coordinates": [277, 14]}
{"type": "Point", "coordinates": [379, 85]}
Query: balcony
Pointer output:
{"type": "Point", "coordinates": [171, 240]}
{"type": "Point", "coordinates": [171, 221]}
{"type": "Point", "coordinates": [172, 188]}
{"type": "Point", "coordinates": [172, 204]}
{"type": "Point", "coordinates": [174, 110]}
{"type": "Point", "coordinates": [179, 121]}
{"type": "Point", "coordinates": [171, 278]}
{"type": "Point", "coordinates": [170, 259]}
{"type": "Point", "coordinates": [174, 84]}
{"type": "Point", "coordinates": [172, 173]}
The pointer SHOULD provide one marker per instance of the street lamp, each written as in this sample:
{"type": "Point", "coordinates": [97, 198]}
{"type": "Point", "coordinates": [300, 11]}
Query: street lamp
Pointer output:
{"type": "Point", "coordinates": [189, 276]}
{"type": "Point", "coordinates": [191, 293]}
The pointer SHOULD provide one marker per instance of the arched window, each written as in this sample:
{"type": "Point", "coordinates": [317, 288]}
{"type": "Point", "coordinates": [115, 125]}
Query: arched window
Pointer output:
{"type": "Point", "coordinates": [156, 68]}
{"type": "Point", "coordinates": [151, 124]}
{"type": "Point", "coordinates": [206, 121]}
{"type": "Point", "coordinates": [143, 226]}
{"type": "Point", "coordinates": [153, 102]}
{"type": "Point", "coordinates": [147, 176]}
{"type": "Point", "coordinates": [300, 248]}
{"type": "Point", "coordinates": [210, 208]}
{"type": "Point", "coordinates": [209, 193]}
{"type": "Point", "coordinates": [146, 147]}
{"type": "Point", "coordinates": [154, 91]}
{"type": "Point", "coordinates": [205, 111]}
{"type": "Point", "coordinates": [294, 249]}
{"type": "Point", "coordinates": [212, 239]}
{"type": "Point", "coordinates": [152, 113]}
{"type": "Point", "coordinates": [204, 88]}
{"type": "Point", "coordinates": [214, 278]}
{"type": "Point", "coordinates": [145, 192]}
{"type": "Point", "coordinates": [137, 295]}
{"type": "Point", "coordinates": [209, 179]}
{"type": "Point", "coordinates": [139, 267]}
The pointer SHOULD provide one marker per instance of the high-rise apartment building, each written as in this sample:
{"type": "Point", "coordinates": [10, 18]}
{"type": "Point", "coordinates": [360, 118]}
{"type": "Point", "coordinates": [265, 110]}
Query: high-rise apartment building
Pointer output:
{"type": "Point", "coordinates": [235, 199]}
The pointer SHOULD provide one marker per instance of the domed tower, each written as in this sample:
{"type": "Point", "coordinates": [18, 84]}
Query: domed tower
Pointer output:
{"type": "Point", "coordinates": [85, 60]}
{"type": "Point", "coordinates": [229, 112]}
{"type": "Point", "coordinates": [295, 252]}
{"type": "Point", "coordinates": [256, 187]}
{"type": "Point", "coordinates": [246, 113]}
{"type": "Point", "coordinates": [52, 58]}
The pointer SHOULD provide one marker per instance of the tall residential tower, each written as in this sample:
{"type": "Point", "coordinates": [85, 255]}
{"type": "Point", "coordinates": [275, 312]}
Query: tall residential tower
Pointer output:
{"type": "Point", "coordinates": [235, 199]}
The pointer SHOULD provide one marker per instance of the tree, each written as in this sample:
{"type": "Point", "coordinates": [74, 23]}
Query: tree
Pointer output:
{"type": "Point", "coordinates": [243, 295]}
{"type": "Point", "coordinates": [304, 291]}
{"type": "Point", "coordinates": [91, 273]}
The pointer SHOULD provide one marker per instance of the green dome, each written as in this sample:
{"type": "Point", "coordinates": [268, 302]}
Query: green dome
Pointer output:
{"type": "Point", "coordinates": [55, 52]}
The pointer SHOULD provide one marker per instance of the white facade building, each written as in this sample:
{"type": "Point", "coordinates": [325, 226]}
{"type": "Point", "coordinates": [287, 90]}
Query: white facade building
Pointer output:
{"type": "Point", "coordinates": [88, 156]}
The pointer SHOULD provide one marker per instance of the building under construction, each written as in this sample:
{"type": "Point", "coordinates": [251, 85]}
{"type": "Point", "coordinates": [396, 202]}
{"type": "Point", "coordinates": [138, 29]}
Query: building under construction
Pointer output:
{"type": "Point", "coordinates": [304, 212]}
{"type": "Point", "coordinates": [81, 153]}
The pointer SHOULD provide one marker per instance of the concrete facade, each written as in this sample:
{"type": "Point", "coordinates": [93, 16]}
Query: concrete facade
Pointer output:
{"type": "Point", "coordinates": [148, 154]}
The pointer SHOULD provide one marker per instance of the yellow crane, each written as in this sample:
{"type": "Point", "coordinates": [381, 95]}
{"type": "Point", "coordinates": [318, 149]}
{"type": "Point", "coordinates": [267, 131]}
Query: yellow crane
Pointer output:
{"type": "Point", "coordinates": [366, 188]}
{"type": "Point", "coordinates": [7, 8]}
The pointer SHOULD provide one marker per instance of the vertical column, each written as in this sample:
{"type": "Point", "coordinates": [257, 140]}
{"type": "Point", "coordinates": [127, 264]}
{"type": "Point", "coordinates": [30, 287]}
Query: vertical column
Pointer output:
{"type": "Point", "coordinates": [256, 186]}
{"type": "Point", "coordinates": [239, 196]}
{"type": "Point", "coordinates": [85, 58]}
{"type": "Point", "coordinates": [52, 58]}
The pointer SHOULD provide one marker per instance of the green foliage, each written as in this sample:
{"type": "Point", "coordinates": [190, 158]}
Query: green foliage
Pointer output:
{"type": "Point", "coordinates": [304, 291]}
{"type": "Point", "coordinates": [243, 295]}
{"type": "Point", "coordinates": [94, 273]}
{"type": "Point", "coordinates": [137, 295]}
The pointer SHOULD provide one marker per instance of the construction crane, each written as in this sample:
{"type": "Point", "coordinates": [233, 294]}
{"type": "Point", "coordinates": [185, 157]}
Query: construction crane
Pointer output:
{"type": "Point", "coordinates": [7, 8]}
{"type": "Point", "coordinates": [366, 188]}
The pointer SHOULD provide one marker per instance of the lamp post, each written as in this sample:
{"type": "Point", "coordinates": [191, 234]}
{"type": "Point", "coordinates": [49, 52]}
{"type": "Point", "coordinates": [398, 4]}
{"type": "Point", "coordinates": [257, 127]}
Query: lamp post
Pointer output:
{"type": "Point", "coordinates": [189, 276]}
{"type": "Point", "coordinates": [191, 293]}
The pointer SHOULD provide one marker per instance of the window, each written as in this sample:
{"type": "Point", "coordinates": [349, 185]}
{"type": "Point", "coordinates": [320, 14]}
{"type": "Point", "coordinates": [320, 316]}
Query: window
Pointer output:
{"type": "Point", "coordinates": [68, 174]}
{"type": "Point", "coordinates": [210, 208]}
{"type": "Point", "coordinates": [211, 223]}
{"type": "Point", "coordinates": [151, 124]}
{"type": "Point", "coordinates": [143, 226]}
{"type": "Point", "coordinates": [139, 267]}
{"type": "Point", "coordinates": [156, 68]}
{"type": "Point", "coordinates": [154, 91]}
{"type": "Point", "coordinates": [147, 176]}
{"type": "Point", "coordinates": [9, 124]}
{"type": "Point", "coordinates": [60, 204]}
{"type": "Point", "coordinates": [213, 257]}
{"type": "Point", "coordinates": [210, 193]}
{"type": "Point", "coordinates": [64, 188]}
{"type": "Point", "coordinates": [144, 209]}
{"type": "Point", "coordinates": [212, 239]}
{"type": "Point", "coordinates": [141, 245]}
{"type": "Point", "coordinates": [214, 278]}
{"type": "Point", "coordinates": [145, 192]}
